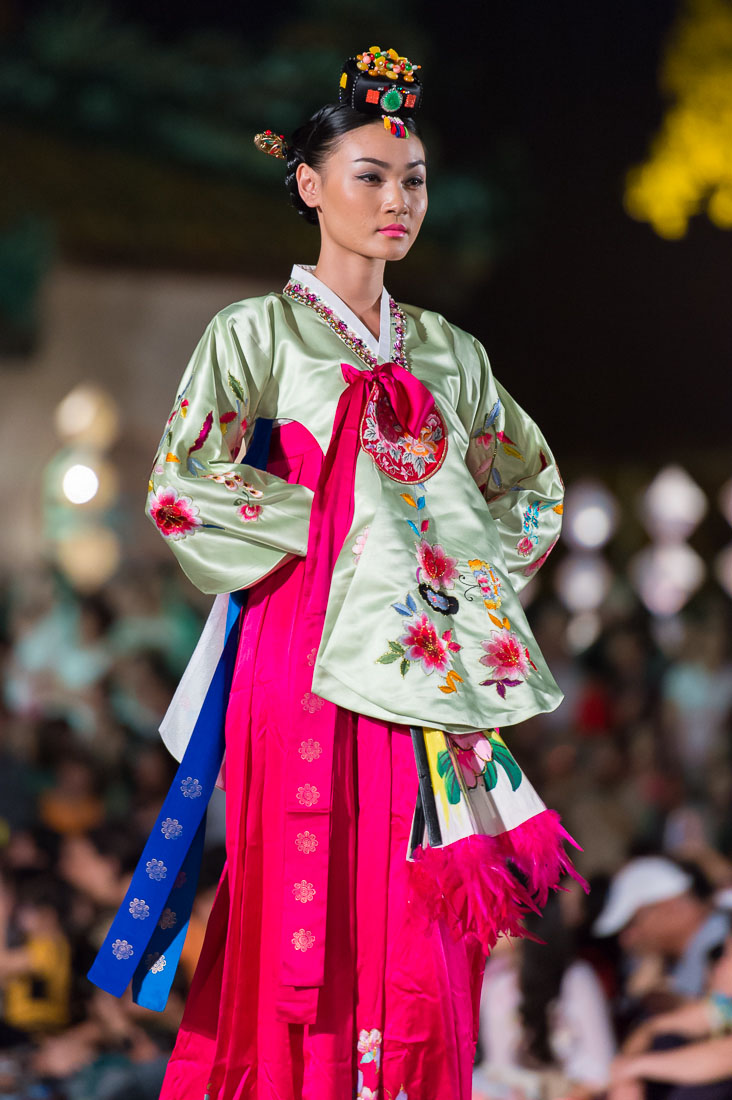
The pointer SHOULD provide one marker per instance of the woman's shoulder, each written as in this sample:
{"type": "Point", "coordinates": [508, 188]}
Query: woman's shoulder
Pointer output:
{"type": "Point", "coordinates": [434, 328]}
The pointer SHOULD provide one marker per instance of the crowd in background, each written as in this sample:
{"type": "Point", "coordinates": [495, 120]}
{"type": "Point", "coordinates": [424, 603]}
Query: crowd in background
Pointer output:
{"type": "Point", "coordinates": [637, 760]}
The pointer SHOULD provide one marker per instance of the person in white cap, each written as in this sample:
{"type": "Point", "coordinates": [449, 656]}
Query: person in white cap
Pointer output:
{"type": "Point", "coordinates": [654, 909]}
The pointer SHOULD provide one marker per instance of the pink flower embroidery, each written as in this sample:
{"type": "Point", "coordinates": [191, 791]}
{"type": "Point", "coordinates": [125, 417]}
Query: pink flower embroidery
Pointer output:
{"type": "Point", "coordinates": [250, 512]}
{"type": "Point", "coordinates": [231, 480]}
{"type": "Point", "coordinates": [534, 565]}
{"type": "Point", "coordinates": [304, 891]}
{"type": "Point", "coordinates": [174, 516]}
{"type": "Point", "coordinates": [306, 842]}
{"type": "Point", "coordinates": [472, 752]}
{"type": "Point", "coordinates": [369, 1043]}
{"type": "Point", "coordinates": [310, 750]}
{"type": "Point", "coordinates": [435, 568]}
{"type": "Point", "coordinates": [311, 702]}
{"type": "Point", "coordinates": [359, 544]}
{"type": "Point", "coordinates": [312, 655]}
{"type": "Point", "coordinates": [422, 643]}
{"type": "Point", "coordinates": [302, 940]}
{"type": "Point", "coordinates": [525, 546]}
{"type": "Point", "coordinates": [425, 446]}
{"type": "Point", "coordinates": [308, 794]}
{"type": "Point", "coordinates": [505, 654]}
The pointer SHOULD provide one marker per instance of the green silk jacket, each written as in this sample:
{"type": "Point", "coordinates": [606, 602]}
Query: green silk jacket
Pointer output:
{"type": "Point", "coordinates": [423, 625]}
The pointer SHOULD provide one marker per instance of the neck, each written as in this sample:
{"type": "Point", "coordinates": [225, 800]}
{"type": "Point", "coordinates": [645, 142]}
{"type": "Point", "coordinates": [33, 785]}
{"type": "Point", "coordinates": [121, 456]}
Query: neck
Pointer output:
{"type": "Point", "coordinates": [357, 280]}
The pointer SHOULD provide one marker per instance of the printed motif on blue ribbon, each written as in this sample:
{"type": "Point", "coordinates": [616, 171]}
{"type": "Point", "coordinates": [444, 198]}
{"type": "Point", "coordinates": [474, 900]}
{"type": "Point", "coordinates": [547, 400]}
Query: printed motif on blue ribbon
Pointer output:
{"type": "Point", "coordinates": [171, 828]}
{"type": "Point", "coordinates": [191, 788]}
{"type": "Point", "coordinates": [139, 909]}
{"type": "Point", "coordinates": [121, 949]}
{"type": "Point", "coordinates": [156, 869]}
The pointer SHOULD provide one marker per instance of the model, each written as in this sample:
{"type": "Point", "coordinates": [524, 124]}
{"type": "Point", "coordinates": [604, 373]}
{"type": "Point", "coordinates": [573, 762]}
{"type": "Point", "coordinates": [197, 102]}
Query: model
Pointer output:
{"type": "Point", "coordinates": [349, 469]}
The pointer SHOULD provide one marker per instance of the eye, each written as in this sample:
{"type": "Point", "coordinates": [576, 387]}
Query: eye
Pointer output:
{"type": "Point", "coordinates": [415, 181]}
{"type": "Point", "coordinates": [369, 177]}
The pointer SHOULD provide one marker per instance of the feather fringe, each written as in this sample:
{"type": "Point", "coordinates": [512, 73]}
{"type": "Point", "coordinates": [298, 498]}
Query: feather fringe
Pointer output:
{"type": "Point", "coordinates": [486, 885]}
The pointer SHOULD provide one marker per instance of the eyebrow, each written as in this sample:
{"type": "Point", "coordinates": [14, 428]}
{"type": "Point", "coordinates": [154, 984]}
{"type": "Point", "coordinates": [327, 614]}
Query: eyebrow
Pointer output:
{"type": "Point", "coordinates": [385, 164]}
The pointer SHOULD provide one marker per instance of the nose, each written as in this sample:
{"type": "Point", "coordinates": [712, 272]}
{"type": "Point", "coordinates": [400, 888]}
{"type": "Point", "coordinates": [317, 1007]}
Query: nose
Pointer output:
{"type": "Point", "coordinates": [395, 199]}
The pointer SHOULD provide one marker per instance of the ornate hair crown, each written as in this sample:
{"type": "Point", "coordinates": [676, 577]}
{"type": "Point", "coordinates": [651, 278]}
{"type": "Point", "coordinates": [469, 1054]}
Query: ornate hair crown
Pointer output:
{"type": "Point", "coordinates": [381, 82]}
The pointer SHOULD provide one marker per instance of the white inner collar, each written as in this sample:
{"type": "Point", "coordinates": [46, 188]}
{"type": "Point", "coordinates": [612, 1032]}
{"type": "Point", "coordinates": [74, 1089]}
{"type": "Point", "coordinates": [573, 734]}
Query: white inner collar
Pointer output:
{"type": "Point", "coordinates": [381, 348]}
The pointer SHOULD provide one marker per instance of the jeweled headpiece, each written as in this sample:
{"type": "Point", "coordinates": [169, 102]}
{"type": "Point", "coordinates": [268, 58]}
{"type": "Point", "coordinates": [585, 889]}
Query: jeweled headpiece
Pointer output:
{"type": "Point", "coordinates": [380, 82]}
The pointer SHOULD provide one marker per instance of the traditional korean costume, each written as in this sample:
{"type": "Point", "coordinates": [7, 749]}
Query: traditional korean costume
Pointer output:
{"type": "Point", "coordinates": [380, 834]}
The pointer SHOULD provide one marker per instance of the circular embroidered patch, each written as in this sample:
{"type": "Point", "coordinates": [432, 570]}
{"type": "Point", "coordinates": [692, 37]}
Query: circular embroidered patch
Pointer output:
{"type": "Point", "coordinates": [401, 456]}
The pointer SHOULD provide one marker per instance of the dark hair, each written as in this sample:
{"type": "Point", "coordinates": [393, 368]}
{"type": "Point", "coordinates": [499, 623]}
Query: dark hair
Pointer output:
{"type": "Point", "coordinates": [313, 141]}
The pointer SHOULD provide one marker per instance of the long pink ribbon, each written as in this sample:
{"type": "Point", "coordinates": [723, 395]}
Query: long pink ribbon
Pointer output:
{"type": "Point", "coordinates": [332, 510]}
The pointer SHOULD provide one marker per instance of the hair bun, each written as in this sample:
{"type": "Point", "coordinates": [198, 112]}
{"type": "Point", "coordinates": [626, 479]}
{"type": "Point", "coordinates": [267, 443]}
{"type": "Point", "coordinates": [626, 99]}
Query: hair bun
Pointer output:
{"type": "Point", "coordinates": [272, 144]}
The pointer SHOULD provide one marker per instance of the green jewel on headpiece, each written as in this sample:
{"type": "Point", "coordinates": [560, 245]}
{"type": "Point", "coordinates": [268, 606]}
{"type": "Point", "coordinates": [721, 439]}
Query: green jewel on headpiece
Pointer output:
{"type": "Point", "coordinates": [381, 82]}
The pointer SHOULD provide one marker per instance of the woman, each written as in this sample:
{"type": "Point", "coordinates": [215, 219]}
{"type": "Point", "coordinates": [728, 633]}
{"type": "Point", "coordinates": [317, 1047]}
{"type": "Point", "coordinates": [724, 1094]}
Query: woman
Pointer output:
{"type": "Point", "coordinates": [381, 551]}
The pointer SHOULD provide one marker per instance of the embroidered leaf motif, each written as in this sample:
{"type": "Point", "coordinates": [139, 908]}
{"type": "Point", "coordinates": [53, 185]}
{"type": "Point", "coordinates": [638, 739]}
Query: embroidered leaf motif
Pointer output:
{"type": "Point", "coordinates": [424, 525]}
{"type": "Point", "coordinates": [410, 602]}
{"type": "Point", "coordinates": [414, 527]}
{"type": "Point", "coordinates": [559, 509]}
{"type": "Point", "coordinates": [496, 477]}
{"type": "Point", "coordinates": [202, 435]}
{"type": "Point", "coordinates": [452, 679]}
{"type": "Point", "coordinates": [404, 667]}
{"type": "Point", "coordinates": [509, 765]}
{"type": "Point", "coordinates": [490, 775]}
{"type": "Point", "coordinates": [513, 451]}
{"type": "Point", "coordinates": [402, 609]}
{"type": "Point", "coordinates": [420, 502]}
{"type": "Point", "coordinates": [495, 620]}
{"type": "Point", "coordinates": [492, 414]}
{"type": "Point", "coordinates": [446, 769]}
{"type": "Point", "coordinates": [170, 457]}
{"type": "Point", "coordinates": [194, 466]}
{"type": "Point", "coordinates": [409, 499]}
{"type": "Point", "coordinates": [394, 653]}
{"type": "Point", "coordinates": [237, 388]}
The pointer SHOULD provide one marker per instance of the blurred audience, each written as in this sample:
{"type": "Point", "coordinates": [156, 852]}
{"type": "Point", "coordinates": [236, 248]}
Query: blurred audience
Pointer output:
{"type": "Point", "coordinates": [637, 760]}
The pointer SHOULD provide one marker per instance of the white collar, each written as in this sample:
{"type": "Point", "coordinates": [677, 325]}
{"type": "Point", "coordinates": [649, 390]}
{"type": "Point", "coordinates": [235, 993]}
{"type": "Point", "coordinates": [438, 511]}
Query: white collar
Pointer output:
{"type": "Point", "coordinates": [381, 348]}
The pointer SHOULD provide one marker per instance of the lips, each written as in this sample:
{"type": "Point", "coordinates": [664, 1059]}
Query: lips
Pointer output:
{"type": "Point", "coordinates": [394, 230]}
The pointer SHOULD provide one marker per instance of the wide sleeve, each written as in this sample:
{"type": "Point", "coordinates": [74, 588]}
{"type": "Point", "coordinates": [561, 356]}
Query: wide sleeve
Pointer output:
{"type": "Point", "coordinates": [516, 472]}
{"type": "Point", "coordinates": [227, 523]}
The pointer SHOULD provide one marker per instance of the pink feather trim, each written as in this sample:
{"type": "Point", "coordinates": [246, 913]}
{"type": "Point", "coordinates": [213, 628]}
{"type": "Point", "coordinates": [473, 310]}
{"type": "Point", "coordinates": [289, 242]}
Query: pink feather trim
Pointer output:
{"type": "Point", "coordinates": [470, 884]}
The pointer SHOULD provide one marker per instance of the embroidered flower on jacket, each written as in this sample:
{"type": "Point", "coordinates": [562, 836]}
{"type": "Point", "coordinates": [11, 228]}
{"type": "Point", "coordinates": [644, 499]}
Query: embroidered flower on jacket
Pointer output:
{"type": "Point", "coordinates": [171, 828]}
{"type": "Point", "coordinates": [308, 794]}
{"type": "Point", "coordinates": [174, 516]}
{"type": "Point", "coordinates": [303, 891]}
{"type": "Point", "coordinates": [180, 880]}
{"type": "Point", "coordinates": [191, 788]}
{"type": "Point", "coordinates": [139, 909]}
{"type": "Point", "coordinates": [168, 919]}
{"type": "Point", "coordinates": [250, 512]}
{"type": "Point", "coordinates": [422, 643]}
{"type": "Point", "coordinates": [231, 480]}
{"type": "Point", "coordinates": [302, 940]}
{"type": "Point", "coordinates": [156, 869]}
{"type": "Point", "coordinates": [369, 1045]}
{"type": "Point", "coordinates": [435, 567]}
{"type": "Point", "coordinates": [312, 702]}
{"type": "Point", "coordinates": [310, 750]}
{"type": "Point", "coordinates": [121, 949]}
{"type": "Point", "coordinates": [359, 544]}
{"type": "Point", "coordinates": [505, 654]}
{"type": "Point", "coordinates": [488, 583]}
{"type": "Point", "coordinates": [525, 546]}
{"type": "Point", "coordinates": [306, 842]}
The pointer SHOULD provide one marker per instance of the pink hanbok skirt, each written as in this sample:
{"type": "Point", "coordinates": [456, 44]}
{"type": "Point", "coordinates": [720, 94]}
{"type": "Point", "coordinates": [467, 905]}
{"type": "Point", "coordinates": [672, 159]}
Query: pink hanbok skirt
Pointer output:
{"type": "Point", "coordinates": [397, 1014]}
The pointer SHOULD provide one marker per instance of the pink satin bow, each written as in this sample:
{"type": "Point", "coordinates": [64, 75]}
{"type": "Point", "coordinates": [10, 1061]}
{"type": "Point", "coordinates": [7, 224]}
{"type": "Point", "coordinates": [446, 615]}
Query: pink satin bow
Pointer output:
{"type": "Point", "coordinates": [332, 511]}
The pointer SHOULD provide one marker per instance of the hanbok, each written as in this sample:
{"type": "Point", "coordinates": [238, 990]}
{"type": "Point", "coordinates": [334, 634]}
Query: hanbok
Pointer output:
{"type": "Point", "coordinates": [380, 834]}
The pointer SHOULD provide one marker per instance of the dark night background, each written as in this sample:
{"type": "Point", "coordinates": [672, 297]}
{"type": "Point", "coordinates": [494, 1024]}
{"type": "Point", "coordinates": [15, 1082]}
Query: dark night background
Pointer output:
{"type": "Point", "coordinates": [616, 340]}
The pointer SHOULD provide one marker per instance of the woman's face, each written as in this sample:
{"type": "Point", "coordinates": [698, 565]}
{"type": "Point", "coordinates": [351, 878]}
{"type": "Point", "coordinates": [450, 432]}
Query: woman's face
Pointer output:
{"type": "Point", "coordinates": [370, 181]}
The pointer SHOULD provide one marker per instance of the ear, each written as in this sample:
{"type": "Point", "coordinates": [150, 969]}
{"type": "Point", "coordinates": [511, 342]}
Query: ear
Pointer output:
{"type": "Point", "coordinates": [308, 184]}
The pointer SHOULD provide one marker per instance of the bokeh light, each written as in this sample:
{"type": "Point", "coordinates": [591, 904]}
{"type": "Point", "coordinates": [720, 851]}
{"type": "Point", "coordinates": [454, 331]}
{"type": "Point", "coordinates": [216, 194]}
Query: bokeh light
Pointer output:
{"type": "Point", "coordinates": [590, 515]}
{"type": "Point", "coordinates": [665, 577]}
{"type": "Point", "coordinates": [583, 581]}
{"type": "Point", "coordinates": [80, 484]}
{"type": "Point", "coordinates": [673, 505]}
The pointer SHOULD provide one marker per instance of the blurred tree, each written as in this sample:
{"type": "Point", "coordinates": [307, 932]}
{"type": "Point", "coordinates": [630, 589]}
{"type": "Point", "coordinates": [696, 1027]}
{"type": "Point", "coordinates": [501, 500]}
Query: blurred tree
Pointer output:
{"type": "Point", "coordinates": [689, 168]}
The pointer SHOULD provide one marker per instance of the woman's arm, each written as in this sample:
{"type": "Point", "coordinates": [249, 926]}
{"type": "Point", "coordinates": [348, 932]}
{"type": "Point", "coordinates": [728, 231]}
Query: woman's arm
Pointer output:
{"type": "Point", "coordinates": [515, 470]}
{"type": "Point", "coordinates": [696, 1064]}
{"type": "Point", "coordinates": [226, 522]}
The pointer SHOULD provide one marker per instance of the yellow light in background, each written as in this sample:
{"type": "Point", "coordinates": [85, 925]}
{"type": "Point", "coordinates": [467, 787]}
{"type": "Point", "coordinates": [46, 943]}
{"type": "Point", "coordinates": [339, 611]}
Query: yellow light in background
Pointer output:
{"type": "Point", "coordinates": [88, 557]}
{"type": "Point", "coordinates": [80, 484]}
{"type": "Point", "coordinates": [87, 415]}
{"type": "Point", "coordinates": [689, 168]}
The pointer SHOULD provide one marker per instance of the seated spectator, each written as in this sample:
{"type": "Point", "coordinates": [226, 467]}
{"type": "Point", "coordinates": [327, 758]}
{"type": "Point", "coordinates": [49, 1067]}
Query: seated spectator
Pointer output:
{"type": "Point", "coordinates": [545, 1026]}
{"type": "Point", "coordinates": [36, 975]}
{"type": "Point", "coordinates": [663, 922]}
{"type": "Point", "coordinates": [72, 805]}
{"type": "Point", "coordinates": [686, 1053]}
